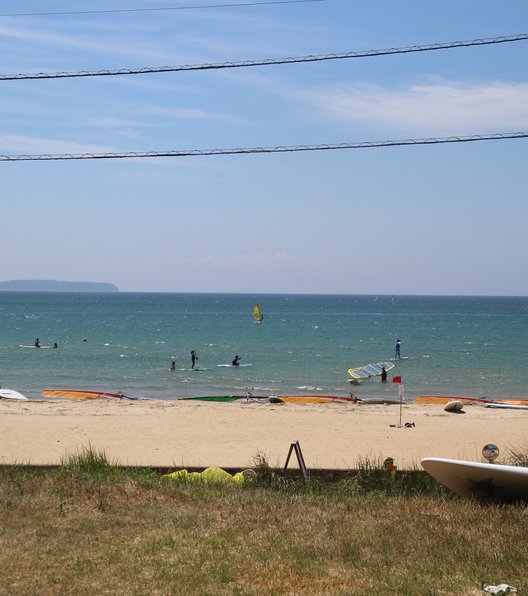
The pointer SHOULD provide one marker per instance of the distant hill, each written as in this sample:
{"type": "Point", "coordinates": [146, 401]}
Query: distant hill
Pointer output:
{"type": "Point", "coordinates": [52, 285]}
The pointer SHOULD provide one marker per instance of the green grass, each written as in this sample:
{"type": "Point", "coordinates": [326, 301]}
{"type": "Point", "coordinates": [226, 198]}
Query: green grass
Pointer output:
{"type": "Point", "coordinates": [91, 527]}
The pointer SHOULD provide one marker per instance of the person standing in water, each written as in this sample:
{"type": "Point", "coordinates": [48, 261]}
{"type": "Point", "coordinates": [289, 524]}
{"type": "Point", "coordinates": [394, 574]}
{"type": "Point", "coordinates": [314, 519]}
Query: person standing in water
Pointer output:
{"type": "Point", "coordinates": [397, 349]}
{"type": "Point", "coordinates": [236, 360]}
{"type": "Point", "coordinates": [194, 358]}
{"type": "Point", "coordinates": [173, 365]}
{"type": "Point", "coordinates": [383, 375]}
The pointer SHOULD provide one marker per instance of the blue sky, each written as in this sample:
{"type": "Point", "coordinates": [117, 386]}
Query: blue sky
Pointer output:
{"type": "Point", "coordinates": [447, 219]}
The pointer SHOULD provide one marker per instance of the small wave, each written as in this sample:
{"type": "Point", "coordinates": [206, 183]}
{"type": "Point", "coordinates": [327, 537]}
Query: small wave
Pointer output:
{"type": "Point", "coordinates": [309, 388]}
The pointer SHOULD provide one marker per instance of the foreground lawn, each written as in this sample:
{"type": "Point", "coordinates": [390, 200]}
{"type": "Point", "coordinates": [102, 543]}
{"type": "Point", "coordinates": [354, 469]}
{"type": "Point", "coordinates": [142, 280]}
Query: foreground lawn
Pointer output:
{"type": "Point", "coordinates": [95, 529]}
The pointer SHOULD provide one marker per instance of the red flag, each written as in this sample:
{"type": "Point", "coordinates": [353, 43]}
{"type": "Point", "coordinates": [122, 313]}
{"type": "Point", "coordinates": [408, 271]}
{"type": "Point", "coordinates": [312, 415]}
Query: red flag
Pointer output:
{"type": "Point", "coordinates": [396, 379]}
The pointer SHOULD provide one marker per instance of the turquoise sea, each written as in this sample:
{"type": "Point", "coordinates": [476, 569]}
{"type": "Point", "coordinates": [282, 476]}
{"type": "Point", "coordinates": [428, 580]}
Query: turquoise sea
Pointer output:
{"type": "Point", "coordinates": [473, 346]}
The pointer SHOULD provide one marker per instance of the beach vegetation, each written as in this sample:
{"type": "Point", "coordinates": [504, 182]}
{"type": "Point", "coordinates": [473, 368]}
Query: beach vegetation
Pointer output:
{"type": "Point", "coordinates": [91, 526]}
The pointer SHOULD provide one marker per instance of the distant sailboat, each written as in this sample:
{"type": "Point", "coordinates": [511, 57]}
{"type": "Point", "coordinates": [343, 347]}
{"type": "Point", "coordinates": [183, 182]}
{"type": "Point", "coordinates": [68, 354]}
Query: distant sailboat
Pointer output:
{"type": "Point", "coordinates": [257, 314]}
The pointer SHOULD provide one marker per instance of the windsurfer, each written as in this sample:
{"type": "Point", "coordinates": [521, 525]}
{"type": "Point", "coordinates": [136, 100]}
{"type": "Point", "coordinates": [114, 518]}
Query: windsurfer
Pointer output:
{"type": "Point", "coordinates": [194, 358]}
{"type": "Point", "coordinates": [236, 360]}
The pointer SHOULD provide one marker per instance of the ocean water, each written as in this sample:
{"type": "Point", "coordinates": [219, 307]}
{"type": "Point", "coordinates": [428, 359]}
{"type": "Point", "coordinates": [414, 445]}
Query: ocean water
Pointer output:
{"type": "Point", "coordinates": [466, 346]}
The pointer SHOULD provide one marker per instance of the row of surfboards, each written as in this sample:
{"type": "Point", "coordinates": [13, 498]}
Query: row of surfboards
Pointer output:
{"type": "Point", "coordinates": [518, 404]}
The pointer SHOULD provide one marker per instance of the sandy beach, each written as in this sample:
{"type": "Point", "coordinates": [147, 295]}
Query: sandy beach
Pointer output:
{"type": "Point", "coordinates": [196, 434]}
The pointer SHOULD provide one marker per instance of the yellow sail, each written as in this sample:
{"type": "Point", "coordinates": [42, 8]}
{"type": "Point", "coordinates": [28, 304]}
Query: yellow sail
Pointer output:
{"type": "Point", "coordinates": [257, 314]}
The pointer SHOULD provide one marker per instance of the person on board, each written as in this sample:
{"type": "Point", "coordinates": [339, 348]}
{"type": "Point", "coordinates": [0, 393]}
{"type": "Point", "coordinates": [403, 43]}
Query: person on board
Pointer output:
{"type": "Point", "coordinates": [397, 349]}
{"type": "Point", "coordinates": [383, 375]}
{"type": "Point", "coordinates": [236, 360]}
{"type": "Point", "coordinates": [37, 343]}
{"type": "Point", "coordinates": [55, 345]}
{"type": "Point", "coordinates": [173, 365]}
{"type": "Point", "coordinates": [194, 358]}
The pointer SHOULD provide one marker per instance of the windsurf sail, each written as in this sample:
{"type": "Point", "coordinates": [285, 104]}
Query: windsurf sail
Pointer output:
{"type": "Point", "coordinates": [257, 314]}
{"type": "Point", "coordinates": [81, 394]}
{"type": "Point", "coordinates": [361, 373]}
{"type": "Point", "coordinates": [444, 399]}
{"type": "Point", "coordinates": [316, 399]}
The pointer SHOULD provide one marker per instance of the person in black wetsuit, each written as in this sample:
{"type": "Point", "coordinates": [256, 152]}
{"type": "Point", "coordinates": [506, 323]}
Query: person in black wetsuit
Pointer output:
{"type": "Point", "coordinates": [236, 360]}
{"type": "Point", "coordinates": [383, 375]}
{"type": "Point", "coordinates": [37, 343]}
{"type": "Point", "coordinates": [194, 358]}
{"type": "Point", "coordinates": [397, 349]}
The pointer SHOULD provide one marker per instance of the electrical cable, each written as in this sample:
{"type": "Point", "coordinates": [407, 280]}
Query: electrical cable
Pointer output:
{"type": "Point", "coordinates": [166, 8]}
{"type": "Point", "coordinates": [254, 150]}
{"type": "Point", "coordinates": [267, 61]}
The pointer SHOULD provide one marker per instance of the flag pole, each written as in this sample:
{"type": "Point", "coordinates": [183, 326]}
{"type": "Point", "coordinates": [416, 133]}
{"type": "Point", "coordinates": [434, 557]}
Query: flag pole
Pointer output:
{"type": "Point", "coordinates": [400, 391]}
{"type": "Point", "coordinates": [399, 381]}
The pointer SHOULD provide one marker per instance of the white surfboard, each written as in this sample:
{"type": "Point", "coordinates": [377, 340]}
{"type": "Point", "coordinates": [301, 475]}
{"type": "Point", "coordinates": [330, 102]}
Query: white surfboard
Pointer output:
{"type": "Point", "coordinates": [481, 480]}
{"type": "Point", "coordinates": [233, 366]}
{"type": "Point", "coordinates": [507, 406]}
{"type": "Point", "coordinates": [10, 394]}
{"type": "Point", "coordinates": [35, 347]}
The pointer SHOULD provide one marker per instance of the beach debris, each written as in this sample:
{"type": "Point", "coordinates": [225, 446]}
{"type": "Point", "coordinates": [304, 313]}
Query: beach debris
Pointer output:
{"type": "Point", "coordinates": [390, 467]}
{"type": "Point", "coordinates": [455, 406]}
{"type": "Point", "coordinates": [406, 425]}
{"type": "Point", "coordinates": [295, 447]}
{"type": "Point", "coordinates": [211, 476]}
{"type": "Point", "coordinates": [500, 589]}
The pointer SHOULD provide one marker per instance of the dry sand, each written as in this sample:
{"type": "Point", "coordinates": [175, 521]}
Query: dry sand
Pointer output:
{"type": "Point", "coordinates": [200, 434]}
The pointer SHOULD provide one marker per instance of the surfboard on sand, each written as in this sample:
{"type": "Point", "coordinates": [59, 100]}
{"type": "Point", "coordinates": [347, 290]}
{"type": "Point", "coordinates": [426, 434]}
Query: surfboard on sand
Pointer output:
{"type": "Point", "coordinates": [10, 394]}
{"type": "Point", "coordinates": [507, 406]}
{"type": "Point", "coordinates": [480, 480]}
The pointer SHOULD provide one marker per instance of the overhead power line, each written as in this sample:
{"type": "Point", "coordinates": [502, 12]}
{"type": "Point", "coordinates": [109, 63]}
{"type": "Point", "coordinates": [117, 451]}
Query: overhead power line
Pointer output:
{"type": "Point", "coordinates": [267, 61]}
{"type": "Point", "coordinates": [253, 150]}
{"type": "Point", "coordinates": [165, 8]}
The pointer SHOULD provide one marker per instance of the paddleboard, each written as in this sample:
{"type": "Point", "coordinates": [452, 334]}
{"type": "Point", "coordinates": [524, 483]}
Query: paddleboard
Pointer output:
{"type": "Point", "coordinates": [481, 480]}
{"type": "Point", "coordinates": [10, 394]}
{"type": "Point", "coordinates": [232, 366]}
{"type": "Point", "coordinates": [35, 347]}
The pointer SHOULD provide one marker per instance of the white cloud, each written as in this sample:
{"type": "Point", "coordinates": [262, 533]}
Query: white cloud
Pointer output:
{"type": "Point", "coordinates": [23, 144]}
{"type": "Point", "coordinates": [443, 107]}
